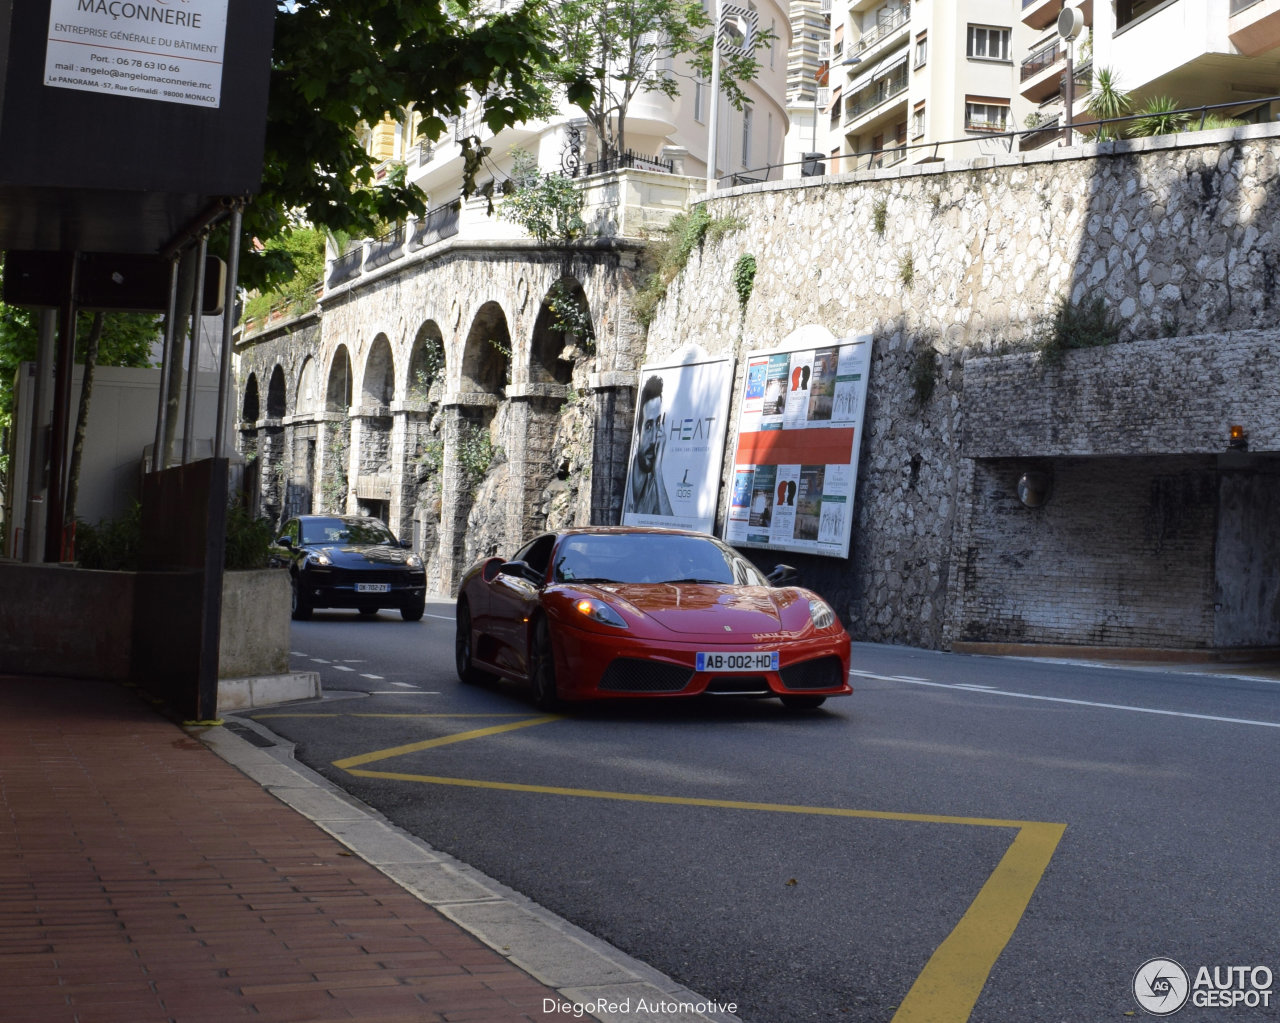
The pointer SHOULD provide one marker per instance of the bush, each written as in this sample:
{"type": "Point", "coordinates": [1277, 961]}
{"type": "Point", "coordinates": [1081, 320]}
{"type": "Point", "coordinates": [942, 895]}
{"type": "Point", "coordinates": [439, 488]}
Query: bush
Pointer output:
{"type": "Point", "coordinates": [248, 540]}
{"type": "Point", "coordinates": [113, 545]}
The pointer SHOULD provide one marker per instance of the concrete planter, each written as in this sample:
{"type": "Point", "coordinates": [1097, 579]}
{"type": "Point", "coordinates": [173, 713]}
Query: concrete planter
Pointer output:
{"type": "Point", "coordinates": [253, 643]}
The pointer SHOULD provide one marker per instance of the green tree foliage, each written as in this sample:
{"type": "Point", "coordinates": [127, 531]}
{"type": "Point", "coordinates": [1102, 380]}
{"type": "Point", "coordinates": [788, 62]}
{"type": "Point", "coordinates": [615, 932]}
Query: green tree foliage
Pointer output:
{"type": "Point", "coordinates": [628, 47]}
{"type": "Point", "coordinates": [304, 249]}
{"type": "Point", "coordinates": [1107, 101]}
{"type": "Point", "coordinates": [1159, 116]}
{"type": "Point", "coordinates": [338, 65]}
{"type": "Point", "coordinates": [546, 205]}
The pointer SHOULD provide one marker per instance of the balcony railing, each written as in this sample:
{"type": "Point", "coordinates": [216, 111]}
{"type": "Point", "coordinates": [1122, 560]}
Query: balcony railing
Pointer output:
{"type": "Point", "coordinates": [882, 29]}
{"type": "Point", "coordinates": [385, 249]}
{"type": "Point", "coordinates": [345, 267]}
{"type": "Point", "coordinates": [1239, 5]}
{"type": "Point", "coordinates": [1037, 62]}
{"type": "Point", "coordinates": [626, 161]}
{"type": "Point", "coordinates": [438, 224]}
{"type": "Point", "coordinates": [877, 93]}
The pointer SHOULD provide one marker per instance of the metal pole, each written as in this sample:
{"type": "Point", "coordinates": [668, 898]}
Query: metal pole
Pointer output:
{"type": "Point", "coordinates": [712, 127]}
{"type": "Point", "coordinates": [193, 356]}
{"type": "Point", "coordinates": [228, 324]}
{"type": "Point", "coordinates": [38, 456]}
{"type": "Point", "coordinates": [166, 367]}
{"type": "Point", "coordinates": [1069, 96]}
{"type": "Point", "coordinates": [55, 511]}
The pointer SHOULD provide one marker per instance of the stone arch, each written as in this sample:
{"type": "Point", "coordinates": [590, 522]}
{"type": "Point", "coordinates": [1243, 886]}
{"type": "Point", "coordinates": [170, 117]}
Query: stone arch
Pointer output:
{"type": "Point", "coordinates": [486, 356]}
{"type": "Point", "coordinates": [338, 392]}
{"type": "Point", "coordinates": [276, 405]}
{"type": "Point", "coordinates": [251, 410]}
{"type": "Point", "coordinates": [378, 382]}
{"type": "Point", "coordinates": [307, 397]}
{"type": "Point", "coordinates": [562, 328]}
{"type": "Point", "coordinates": [426, 364]}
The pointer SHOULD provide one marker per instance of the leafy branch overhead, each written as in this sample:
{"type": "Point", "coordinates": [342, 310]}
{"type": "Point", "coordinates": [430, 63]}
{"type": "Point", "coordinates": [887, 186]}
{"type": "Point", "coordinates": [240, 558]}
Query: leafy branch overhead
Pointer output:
{"type": "Point", "coordinates": [336, 66]}
{"type": "Point", "coordinates": [624, 48]}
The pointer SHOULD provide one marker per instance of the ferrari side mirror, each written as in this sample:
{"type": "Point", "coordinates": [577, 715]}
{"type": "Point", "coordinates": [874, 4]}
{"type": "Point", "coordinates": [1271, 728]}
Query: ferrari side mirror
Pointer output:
{"type": "Point", "coordinates": [783, 575]}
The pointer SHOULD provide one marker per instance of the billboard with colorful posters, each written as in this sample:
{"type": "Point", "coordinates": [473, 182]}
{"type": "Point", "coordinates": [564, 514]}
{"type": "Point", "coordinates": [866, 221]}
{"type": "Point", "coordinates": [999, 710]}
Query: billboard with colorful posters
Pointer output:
{"type": "Point", "coordinates": [677, 442]}
{"type": "Point", "coordinates": [799, 430]}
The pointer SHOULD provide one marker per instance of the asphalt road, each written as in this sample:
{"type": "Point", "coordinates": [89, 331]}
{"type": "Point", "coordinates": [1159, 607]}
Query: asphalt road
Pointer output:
{"type": "Point", "coordinates": [964, 838]}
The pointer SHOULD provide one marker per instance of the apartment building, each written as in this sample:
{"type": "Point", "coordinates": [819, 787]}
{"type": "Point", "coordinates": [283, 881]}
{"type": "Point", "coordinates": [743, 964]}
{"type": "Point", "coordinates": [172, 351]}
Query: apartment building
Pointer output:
{"type": "Point", "coordinates": [923, 72]}
{"type": "Point", "coordinates": [661, 132]}
{"type": "Point", "coordinates": [915, 77]}
{"type": "Point", "coordinates": [808, 71]}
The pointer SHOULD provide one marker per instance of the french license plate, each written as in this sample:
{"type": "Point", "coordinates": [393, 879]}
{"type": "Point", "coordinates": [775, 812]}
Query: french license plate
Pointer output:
{"type": "Point", "coordinates": [738, 660]}
{"type": "Point", "coordinates": [373, 587]}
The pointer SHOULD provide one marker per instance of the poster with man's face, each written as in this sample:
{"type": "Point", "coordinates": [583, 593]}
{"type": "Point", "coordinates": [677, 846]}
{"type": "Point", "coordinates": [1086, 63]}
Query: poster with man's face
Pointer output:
{"type": "Point", "coordinates": [677, 443]}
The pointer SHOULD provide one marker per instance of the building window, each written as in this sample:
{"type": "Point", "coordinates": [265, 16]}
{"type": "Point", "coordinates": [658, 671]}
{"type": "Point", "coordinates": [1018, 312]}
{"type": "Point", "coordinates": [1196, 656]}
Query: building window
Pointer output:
{"type": "Point", "coordinates": [699, 102]}
{"type": "Point", "coordinates": [986, 115]}
{"type": "Point", "coordinates": [987, 43]}
{"type": "Point", "coordinates": [922, 49]}
{"type": "Point", "coordinates": [746, 137]}
{"type": "Point", "coordinates": [917, 122]}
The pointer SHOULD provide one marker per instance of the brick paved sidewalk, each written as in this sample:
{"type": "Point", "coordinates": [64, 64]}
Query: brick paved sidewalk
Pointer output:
{"type": "Point", "coordinates": [145, 880]}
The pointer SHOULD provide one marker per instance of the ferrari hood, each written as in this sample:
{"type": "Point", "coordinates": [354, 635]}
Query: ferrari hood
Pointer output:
{"type": "Point", "coordinates": [690, 608]}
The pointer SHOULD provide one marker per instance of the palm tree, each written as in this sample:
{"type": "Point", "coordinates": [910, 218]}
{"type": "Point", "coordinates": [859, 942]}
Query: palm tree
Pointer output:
{"type": "Point", "coordinates": [1107, 101]}
{"type": "Point", "coordinates": [1160, 116]}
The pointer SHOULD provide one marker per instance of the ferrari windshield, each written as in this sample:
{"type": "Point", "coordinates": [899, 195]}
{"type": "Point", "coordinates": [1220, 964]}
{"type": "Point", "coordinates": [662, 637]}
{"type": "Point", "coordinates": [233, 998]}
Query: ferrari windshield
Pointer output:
{"type": "Point", "coordinates": [651, 558]}
{"type": "Point", "coordinates": [336, 530]}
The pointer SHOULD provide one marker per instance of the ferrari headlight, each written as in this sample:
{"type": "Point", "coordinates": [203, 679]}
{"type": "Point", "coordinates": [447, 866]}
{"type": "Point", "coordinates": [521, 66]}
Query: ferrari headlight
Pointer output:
{"type": "Point", "coordinates": [599, 611]}
{"type": "Point", "coordinates": [821, 613]}
{"type": "Point", "coordinates": [319, 558]}
{"type": "Point", "coordinates": [413, 561]}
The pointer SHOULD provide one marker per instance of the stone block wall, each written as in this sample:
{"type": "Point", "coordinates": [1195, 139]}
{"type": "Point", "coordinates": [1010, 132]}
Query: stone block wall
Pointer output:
{"type": "Point", "coordinates": [960, 267]}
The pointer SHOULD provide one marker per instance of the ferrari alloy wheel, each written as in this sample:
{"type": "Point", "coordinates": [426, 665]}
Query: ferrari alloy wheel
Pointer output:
{"type": "Point", "coordinates": [803, 702]}
{"type": "Point", "coordinates": [301, 609]}
{"type": "Point", "coordinates": [467, 671]}
{"type": "Point", "coordinates": [542, 668]}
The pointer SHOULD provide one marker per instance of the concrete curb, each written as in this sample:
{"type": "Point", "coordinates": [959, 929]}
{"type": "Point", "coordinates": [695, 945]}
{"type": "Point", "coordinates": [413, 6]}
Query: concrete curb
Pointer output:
{"type": "Point", "coordinates": [582, 969]}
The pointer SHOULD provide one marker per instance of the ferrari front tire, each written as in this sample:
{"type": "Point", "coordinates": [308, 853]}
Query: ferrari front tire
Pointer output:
{"type": "Point", "coordinates": [542, 668]}
{"type": "Point", "coordinates": [462, 650]}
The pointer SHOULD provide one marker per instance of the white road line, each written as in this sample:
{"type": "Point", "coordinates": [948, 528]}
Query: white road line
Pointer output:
{"type": "Point", "coordinates": [378, 678]}
{"type": "Point", "coordinates": [443, 618]}
{"type": "Point", "coordinates": [401, 692]}
{"type": "Point", "coordinates": [318, 660]}
{"type": "Point", "coordinates": [1078, 703]}
{"type": "Point", "coordinates": [342, 667]}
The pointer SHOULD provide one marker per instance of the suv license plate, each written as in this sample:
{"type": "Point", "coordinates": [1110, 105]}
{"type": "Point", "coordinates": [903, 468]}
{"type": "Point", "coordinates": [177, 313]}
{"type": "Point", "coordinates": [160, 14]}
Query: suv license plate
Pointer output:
{"type": "Point", "coordinates": [738, 660]}
{"type": "Point", "coordinates": [373, 587]}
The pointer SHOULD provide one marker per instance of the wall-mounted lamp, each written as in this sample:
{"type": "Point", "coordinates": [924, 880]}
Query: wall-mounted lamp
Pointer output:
{"type": "Point", "coordinates": [1034, 487]}
{"type": "Point", "coordinates": [1237, 439]}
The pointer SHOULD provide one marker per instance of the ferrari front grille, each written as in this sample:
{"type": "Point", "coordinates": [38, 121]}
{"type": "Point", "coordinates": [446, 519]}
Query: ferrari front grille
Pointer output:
{"type": "Point", "coordinates": [631, 675]}
{"type": "Point", "coordinates": [820, 673]}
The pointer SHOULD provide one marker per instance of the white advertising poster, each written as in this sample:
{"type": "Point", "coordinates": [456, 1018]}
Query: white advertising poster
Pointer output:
{"type": "Point", "coordinates": [795, 466]}
{"type": "Point", "coordinates": [677, 443]}
{"type": "Point", "coordinates": [171, 51]}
